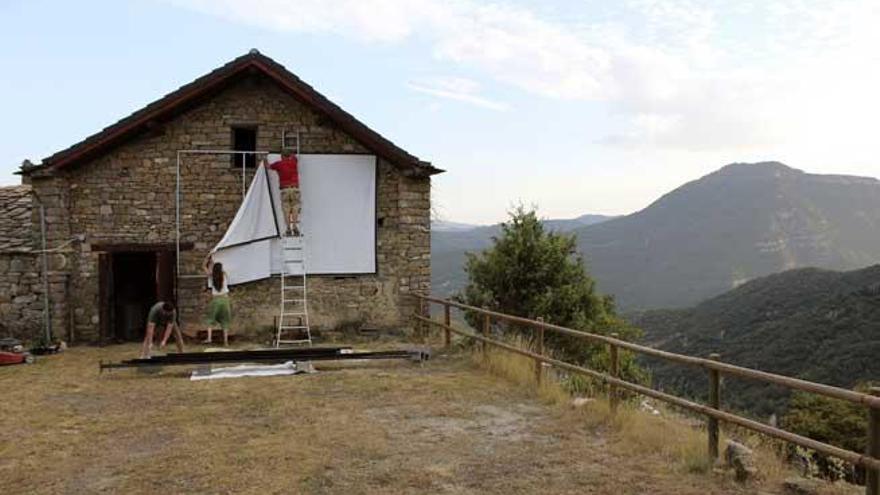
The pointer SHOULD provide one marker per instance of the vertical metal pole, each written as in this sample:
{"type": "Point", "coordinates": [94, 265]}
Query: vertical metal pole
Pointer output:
{"type": "Point", "coordinates": [177, 220]}
{"type": "Point", "coordinates": [447, 338]}
{"type": "Point", "coordinates": [872, 476]}
{"type": "Point", "coordinates": [486, 323]}
{"type": "Point", "coordinates": [243, 157]}
{"type": "Point", "coordinates": [614, 353]}
{"type": "Point", "coordinates": [539, 349]}
{"type": "Point", "coordinates": [714, 403]}
{"type": "Point", "coordinates": [426, 313]}
{"type": "Point", "coordinates": [47, 316]}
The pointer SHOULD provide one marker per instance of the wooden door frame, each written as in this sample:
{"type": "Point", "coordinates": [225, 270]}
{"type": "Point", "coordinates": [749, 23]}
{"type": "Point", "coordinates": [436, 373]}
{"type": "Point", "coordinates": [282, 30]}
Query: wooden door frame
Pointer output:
{"type": "Point", "coordinates": [106, 283]}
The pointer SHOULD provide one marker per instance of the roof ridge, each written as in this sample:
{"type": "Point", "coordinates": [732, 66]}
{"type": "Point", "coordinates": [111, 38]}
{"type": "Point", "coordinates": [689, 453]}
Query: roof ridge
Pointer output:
{"type": "Point", "coordinates": [134, 123]}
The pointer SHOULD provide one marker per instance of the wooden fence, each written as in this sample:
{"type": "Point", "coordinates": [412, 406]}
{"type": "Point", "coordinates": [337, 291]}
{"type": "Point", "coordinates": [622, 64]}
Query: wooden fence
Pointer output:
{"type": "Point", "coordinates": [870, 460]}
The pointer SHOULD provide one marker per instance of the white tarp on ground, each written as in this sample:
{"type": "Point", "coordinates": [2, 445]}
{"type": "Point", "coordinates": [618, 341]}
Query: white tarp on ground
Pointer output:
{"type": "Point", "coordinates": [338, 195]}
{"type": "Point", "coordinates": [288, 368]}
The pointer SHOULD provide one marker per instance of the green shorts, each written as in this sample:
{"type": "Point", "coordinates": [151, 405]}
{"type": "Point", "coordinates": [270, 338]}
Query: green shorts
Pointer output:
{"type": "Point", "coordinates": [219, 313]}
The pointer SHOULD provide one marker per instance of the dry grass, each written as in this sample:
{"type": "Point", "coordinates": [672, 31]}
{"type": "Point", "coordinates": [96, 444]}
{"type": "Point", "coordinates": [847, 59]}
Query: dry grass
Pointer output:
{"type": "Point", "coordinates": [444, 427]}
{"type": "Point", "coordinates": [633, 431]}
{"type": "Point", "coordinates": [678, 440]}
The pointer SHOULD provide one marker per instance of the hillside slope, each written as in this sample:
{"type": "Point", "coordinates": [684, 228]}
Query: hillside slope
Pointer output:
{"type": "Point", "coordinates": [818, 325]}
{"type": "Point", "coordinates": [740, 222]}
{"type": "Point", "coordinates": [450, 241]}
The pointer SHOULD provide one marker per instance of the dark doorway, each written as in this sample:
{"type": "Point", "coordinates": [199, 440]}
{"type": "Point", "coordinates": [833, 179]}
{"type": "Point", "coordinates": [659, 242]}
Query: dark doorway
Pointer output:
{"type": "Point", "coordinates": [130, 283]}
{"type": "Point", "coordinates": [134, 292]}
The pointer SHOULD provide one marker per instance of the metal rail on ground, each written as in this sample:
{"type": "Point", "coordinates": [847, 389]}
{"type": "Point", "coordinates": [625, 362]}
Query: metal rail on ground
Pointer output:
{"type": "Point", "coordinates": [266, 356]}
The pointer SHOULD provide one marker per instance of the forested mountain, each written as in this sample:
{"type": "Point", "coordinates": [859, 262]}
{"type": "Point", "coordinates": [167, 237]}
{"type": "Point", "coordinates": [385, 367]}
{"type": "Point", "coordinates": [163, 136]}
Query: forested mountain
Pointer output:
{"type": "Point", "coordinates": [740, 222]}
{"type": "Point", "coordinates": [814, 324]}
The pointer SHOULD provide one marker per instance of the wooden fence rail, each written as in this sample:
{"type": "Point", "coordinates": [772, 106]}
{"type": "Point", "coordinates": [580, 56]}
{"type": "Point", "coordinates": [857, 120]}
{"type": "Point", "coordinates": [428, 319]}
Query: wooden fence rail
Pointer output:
{"type": "Point", "coordinates": [870, 460]}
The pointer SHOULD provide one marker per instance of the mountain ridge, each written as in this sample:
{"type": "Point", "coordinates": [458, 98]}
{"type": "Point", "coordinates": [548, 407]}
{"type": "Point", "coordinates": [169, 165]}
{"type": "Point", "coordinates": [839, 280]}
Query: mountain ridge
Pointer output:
{"type": "Point", "coordinates": [742, 221]}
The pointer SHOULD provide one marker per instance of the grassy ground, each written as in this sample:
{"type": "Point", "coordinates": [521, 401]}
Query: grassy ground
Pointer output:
{"type": "Point", "coordinates": [445, 427]}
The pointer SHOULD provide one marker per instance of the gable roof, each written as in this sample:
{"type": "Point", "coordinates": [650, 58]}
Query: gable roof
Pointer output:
{"type": "Point", "coordinates": [15, 219]}
{"type": "Point", "coordinates": [187, 95]}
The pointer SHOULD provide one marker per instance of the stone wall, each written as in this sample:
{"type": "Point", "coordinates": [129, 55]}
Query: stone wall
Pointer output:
{"type": "Point", "coordinates": [21, 296]}
{"type": "Point", "coordinates": [22, 301]}
{"type": "Point", "coordinates": [127, 196]}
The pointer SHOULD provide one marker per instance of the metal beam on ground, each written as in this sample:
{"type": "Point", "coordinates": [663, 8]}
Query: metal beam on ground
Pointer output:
{"type": "Point", "coordinates": [266, 355]}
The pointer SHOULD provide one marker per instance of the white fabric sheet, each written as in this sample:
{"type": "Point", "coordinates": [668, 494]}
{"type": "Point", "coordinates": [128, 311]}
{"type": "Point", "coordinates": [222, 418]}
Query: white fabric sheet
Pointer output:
{"type": "Point", "coordinates": [251, 244]}
{"type": "Point", "coordinates": [339, 213]}
{"type": "Point", "coordinates": [260, 215]}
{"type": "Point", "coordinates": [338, 220]}
{"type": "Point", "coordinates": [247, 262]}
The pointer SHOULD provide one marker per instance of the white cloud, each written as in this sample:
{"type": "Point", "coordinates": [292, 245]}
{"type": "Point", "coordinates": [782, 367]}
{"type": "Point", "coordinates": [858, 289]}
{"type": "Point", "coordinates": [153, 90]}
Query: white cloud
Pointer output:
{"type": "Point", "coordinates": [681, 74]}
{"type": "Point", "coordinates": [456, 88]}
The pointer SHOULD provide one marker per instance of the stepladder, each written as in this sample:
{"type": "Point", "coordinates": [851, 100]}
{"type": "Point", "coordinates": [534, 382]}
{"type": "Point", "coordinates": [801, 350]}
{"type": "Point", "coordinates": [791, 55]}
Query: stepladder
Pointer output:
{"type": "Point", "coordinates": [293, 319]}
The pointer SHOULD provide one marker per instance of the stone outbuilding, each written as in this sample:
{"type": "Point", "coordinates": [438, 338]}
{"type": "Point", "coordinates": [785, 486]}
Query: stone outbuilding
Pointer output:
{"type": "Point", "coordinates": [109, 205]}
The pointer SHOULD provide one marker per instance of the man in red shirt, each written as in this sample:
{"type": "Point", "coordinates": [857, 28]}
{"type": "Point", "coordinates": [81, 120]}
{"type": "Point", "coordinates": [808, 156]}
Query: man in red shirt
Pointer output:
{"type": "Point", "coordinates": [288, 175]}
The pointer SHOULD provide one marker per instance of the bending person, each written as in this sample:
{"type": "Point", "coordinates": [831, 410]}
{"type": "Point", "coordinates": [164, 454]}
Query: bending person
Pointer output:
{"type": "Point", "coordinates": [219, 311]}
{"type": "Point", "coordinates": [162, 314]}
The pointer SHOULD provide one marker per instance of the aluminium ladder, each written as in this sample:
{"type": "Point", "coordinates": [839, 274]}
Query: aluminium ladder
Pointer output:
{"type": "Point", "coordinates": [293, 321]}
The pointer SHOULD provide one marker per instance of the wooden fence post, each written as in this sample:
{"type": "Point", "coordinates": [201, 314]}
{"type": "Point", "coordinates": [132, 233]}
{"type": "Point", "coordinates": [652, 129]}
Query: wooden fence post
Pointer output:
{"type": "Point", "coordinates": [615, 372]}
{"type": "Point", "coordinates": [715, 403]}
{"type": "Point", "coordinates": [447, 337]}
{"type": "Point", "coordinates": [539, 349]}
{"type": "Point", "coordinates": [872, 476]}
{"type": "Point", "coordinates": [486, 323]}
{"type": "Point", "coordinates": [425, 312]}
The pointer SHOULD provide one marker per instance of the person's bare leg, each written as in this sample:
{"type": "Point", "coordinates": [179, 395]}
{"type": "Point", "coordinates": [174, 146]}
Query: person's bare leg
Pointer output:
{"type": "Point", "coordinates": [178, 338]}
{"type": "Point", "coordinates": [148, 341]}
{"type": "Point", "coordinates": [225, 337]}
{"type": "Point", "coordinates": [165, 336]}
{"type": "Point", "coordinates": [210, 333]}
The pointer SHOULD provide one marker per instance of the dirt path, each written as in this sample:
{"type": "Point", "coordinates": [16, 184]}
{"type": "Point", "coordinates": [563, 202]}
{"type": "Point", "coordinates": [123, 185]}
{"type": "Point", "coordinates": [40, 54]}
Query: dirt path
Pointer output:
{"type": "Point", "coordinates": [445, 427]}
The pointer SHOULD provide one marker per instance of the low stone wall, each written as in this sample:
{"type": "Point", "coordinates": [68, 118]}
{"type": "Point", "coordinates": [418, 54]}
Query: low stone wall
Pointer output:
{"type": "Point", "coordinates": [21, 296]}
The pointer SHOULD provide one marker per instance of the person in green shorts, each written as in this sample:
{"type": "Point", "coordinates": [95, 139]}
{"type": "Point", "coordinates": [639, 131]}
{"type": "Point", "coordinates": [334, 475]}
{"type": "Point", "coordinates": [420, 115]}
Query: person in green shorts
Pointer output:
{"type": "Point", "coordinates": [161, 315]}
{"type": "Point", "coordinates": [219, 311]}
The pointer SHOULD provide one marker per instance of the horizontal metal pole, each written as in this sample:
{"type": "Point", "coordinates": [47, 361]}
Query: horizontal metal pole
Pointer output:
{"type": "Point", "coordinates": [846, 455]}
{"type": "Point", "coordinates": [259, 352]}
{"type": "Point", "coordinates": [279, 357]}
{"type": "Point", "coordinates": [730, 369]}
{"type": "Point", "coordinates": [222, 152]}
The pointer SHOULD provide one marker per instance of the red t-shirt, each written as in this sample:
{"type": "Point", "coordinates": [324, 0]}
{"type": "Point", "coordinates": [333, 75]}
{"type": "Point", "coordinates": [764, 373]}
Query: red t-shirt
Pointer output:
{"type": "Point", "coordinates": [288, 172]}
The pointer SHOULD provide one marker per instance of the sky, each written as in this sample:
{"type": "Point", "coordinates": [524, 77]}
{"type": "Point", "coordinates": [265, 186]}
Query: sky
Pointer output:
{"type": "Point", "coordinates": [571, 106]}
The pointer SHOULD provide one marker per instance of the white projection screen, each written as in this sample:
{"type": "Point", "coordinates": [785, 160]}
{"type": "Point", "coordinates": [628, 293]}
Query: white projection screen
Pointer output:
{"type": "Point", "coordinates": [338, 194]}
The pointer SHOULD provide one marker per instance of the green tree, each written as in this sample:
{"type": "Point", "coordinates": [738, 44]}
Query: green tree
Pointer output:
{"type": "Point", "coordinates": [833, 421]}
{"type": "Point", "coordinates": [532, 272]}
{"type": "Point", "coordinates": [828, 420]}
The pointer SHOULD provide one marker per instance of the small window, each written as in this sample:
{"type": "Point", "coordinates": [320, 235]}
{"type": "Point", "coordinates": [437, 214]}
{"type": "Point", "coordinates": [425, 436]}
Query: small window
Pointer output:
{"type": "Point", "coordinates": [244, 139]}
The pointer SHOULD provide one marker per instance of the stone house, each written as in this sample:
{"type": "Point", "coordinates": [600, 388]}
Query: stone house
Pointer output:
{"type": "Point", "coordinates": [110, 200]}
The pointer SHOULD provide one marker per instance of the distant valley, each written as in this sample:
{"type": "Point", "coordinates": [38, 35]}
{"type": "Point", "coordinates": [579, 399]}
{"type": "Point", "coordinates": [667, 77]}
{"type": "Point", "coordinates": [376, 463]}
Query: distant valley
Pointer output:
{"type": "Point", "coordinates": [819, 325]}
{"type": "Point", "coordinates": [708, 236]}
